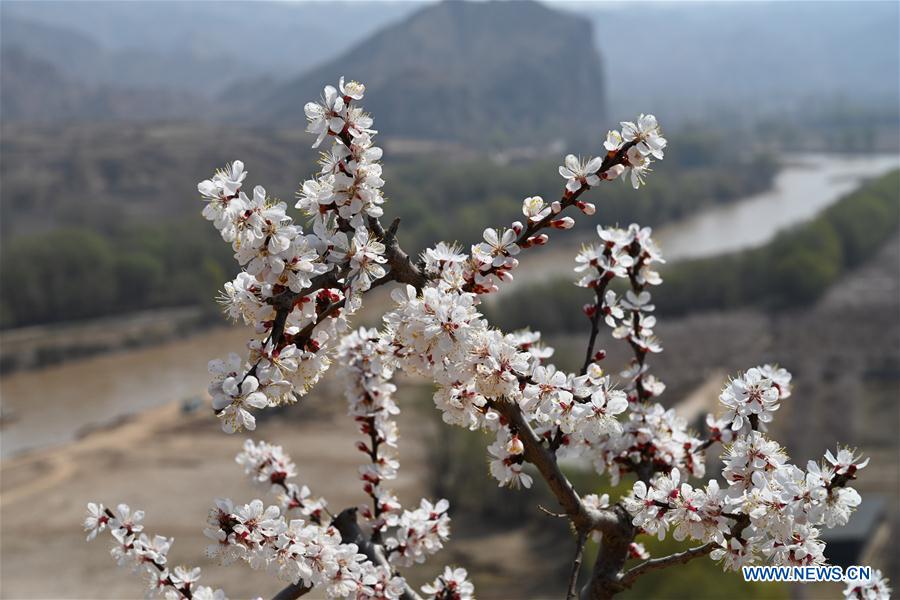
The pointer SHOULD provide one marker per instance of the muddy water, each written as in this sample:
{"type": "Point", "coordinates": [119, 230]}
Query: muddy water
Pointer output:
{"type": "Point", "coordinates": [53, 405]}
{"type": "Point", "coordinates": [800, 191]}
{"type": "Point", "coordinates": [808, 184]}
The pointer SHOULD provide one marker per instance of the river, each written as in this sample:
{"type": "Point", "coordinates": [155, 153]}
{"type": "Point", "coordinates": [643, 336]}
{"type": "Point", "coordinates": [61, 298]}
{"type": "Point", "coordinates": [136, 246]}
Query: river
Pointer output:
{"type": "Point", "coordinates": [52, 405]}
{"type": "Point", "coordinates": [807, 184]}
{"type": "Point", "coordinates": [800, 191]}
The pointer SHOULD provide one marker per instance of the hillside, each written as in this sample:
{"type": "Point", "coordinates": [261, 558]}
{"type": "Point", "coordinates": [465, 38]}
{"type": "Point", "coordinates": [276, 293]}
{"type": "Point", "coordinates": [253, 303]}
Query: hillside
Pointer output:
{"type": "Point", "coordinates": [746, 60]}
{"type": "Point", "coordinates": [35, 90]}
{"type": "Point", "coordinates": [195, 45]}
{"type": "Point", "coordinates": [477, 72]}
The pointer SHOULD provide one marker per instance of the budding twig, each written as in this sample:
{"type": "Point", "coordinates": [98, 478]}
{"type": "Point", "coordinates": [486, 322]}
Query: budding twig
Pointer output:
{"type": "Point", "coordinates": [576, 566]}
{"type": "Point", "coordinates": [653, 564]}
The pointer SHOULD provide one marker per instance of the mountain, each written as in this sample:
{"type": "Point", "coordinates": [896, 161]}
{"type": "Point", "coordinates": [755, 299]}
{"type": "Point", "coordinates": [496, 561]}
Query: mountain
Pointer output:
{"type": "Point", "coordinates": [34, 90]}
{"type": "Point", "coordinates": [483, 73]}
{"type": "Point", "coordinates": [81, 57]}
{"type": "Point", "coordinates": [198, 46]}
{"type": "Point", "coordinates": [739, 61]}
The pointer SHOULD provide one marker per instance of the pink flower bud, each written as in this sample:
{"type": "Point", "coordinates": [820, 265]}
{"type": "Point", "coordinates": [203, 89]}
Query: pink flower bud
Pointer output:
{"type": "Point", "coordinates": [517, 227]}
{"type": "Point", "coordinates": [612, 172]}
{"type": "Point", "coordinates": [589, 309]}
{"type": "Point", "coordinates": [539, 240]}
{"type": "Point", "coordinates": [556, 207]}
{"type": "Point", "coordinates": [586, 207]}
{"type": "Point", "coordinates": [564, 223]}
{"type": "Point", "coordinates": [515, 445]}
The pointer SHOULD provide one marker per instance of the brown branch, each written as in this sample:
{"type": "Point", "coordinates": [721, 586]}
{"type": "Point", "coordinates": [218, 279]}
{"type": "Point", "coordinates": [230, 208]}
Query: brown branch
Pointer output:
{"type": "Point", "coordinates": [611, 557]}
{"type": "Point", "coordinates": [566, 200]}
{"type": "Point", "coordinates": [595, 326]}
{"type": "Point", "coordinates": [350, 532]}
{"type": "Point", "coordinates": [401, 266]}
{"type": "Point", "coordinates": [583, 518]}
{"type": "Point", "coordinates": [741, 522]}
{"type": "Point", "coordinates": [653, 564]}
{"type": "Point", "coordinates": [293, 591]}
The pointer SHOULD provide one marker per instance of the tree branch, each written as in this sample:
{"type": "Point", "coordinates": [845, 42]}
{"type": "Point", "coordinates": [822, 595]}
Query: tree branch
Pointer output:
{"type": "Point", "coordinates": [595, 326]}
{"type": "Point", "coordinates": [576, 566]}
{"type": "Point", "coordinates": [653, 564]}
{"type": "Point", "coordinates": [293, 591]}
{"type": "Point", "coordinates": [401, 266]}
{"type": "Point", "coordinates": [614, 549]}
{"type": "Point", "coordinates": [583, 518]}
{"type": "Point", "coordinates": [346, 524]}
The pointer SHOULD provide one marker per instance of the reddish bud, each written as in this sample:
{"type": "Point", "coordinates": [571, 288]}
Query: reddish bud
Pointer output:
{"type": "Point", "coordinates": [613, 172]}
{"type": "Point", "coordinates": [586, 207]}
{"type": "Point", "coordinates": [564, 223]}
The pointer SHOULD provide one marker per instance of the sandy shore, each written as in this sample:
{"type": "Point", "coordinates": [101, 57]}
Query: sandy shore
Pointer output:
{"type": "Point", "coordinates": [172, 465]}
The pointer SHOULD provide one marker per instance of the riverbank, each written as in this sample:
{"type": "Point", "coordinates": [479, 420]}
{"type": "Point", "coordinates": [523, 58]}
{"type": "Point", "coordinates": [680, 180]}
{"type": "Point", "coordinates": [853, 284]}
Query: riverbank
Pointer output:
{"type": "Point", "coordinates": [40, 346]}
{"type": "Point", "coordinates": [802, 188]}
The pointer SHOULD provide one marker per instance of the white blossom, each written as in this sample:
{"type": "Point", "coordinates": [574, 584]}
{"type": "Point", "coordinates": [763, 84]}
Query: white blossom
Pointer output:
{"type": "Point", "coordinates": [873, 588]}
{"type": "Point", "coordinates": [580, 173]}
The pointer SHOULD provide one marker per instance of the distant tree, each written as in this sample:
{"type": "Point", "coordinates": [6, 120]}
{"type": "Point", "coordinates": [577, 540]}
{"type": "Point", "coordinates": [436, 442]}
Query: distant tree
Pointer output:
{"type": "Point", "coordinates": [62, 274]}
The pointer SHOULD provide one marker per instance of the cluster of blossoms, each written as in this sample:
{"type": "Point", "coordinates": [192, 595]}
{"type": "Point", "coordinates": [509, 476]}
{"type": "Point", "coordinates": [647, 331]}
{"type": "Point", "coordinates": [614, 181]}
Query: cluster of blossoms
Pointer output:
{"type": "Point", "coordinates": [295, 550]}
{"type": "Point", "coordinates": [650, 435]}
{"type": "Point", "coordinates": [314, 549]}
{"type": "Point", "coordinates": [451, 585]}
{"type": "Point", "coordinates": [145, 555]}
{"type": "Point", "coordinates": [297, 290]}
{"type": "Point", "coordinates": [267, 466]}
{"type": "Point", "coordinates": [771, 510]}
{"type": "Point", "coordinates": [646, 143]}
{"type": "Point", "coordinates": [366, 370]}
{"type": "Point", "coordinates": [752, 398]}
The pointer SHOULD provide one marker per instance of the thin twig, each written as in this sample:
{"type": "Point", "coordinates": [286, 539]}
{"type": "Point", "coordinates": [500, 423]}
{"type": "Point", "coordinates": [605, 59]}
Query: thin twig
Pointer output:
{"type": "Point", "coordinates": [568, 199]}
{"type": "Point", "coordinates": [595, 326]}
{"type": "Point", "coordinates": [550, 513]}
{"type": "Point", "coordinates": [653, 564]}
{"type": "Point", "coordinates": [576, 565]}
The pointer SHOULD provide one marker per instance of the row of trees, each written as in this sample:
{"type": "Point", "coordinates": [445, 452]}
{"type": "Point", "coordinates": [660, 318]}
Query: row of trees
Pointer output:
{"type": "Point", "coordinates": [76, 273]}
